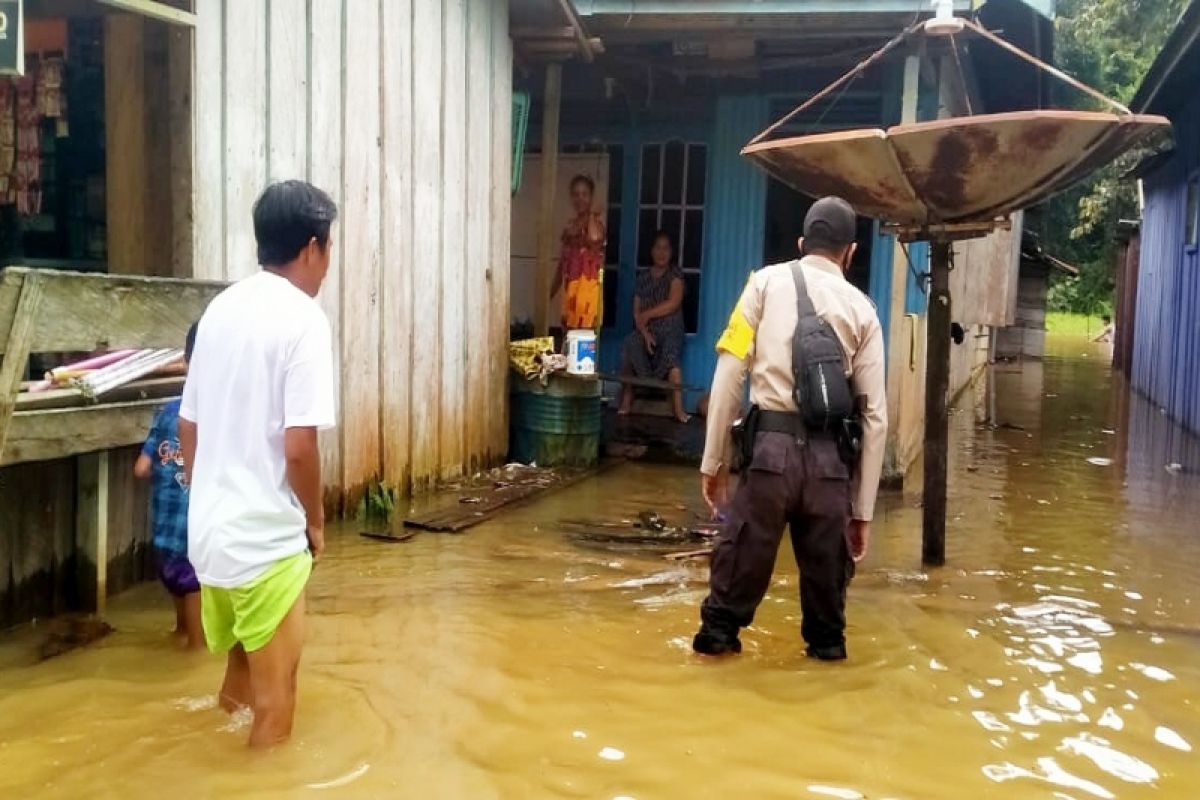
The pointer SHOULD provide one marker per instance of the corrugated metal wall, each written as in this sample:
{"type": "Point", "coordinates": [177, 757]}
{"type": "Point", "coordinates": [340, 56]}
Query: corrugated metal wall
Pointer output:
{"type": "Point", "coordinates": [1166, 357]}
{"type": "Point", "coordinates": [733, 227]}
{"type": "Point", "coordinates": [372, 100]}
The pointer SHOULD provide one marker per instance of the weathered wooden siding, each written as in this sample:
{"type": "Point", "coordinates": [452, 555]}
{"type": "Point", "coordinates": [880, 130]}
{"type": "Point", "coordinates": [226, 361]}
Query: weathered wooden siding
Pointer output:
{"type": "Point", "coordinates": [45, 566]}
{"type": "Point", "coordinates": [401, 110]}
{"type": "Point", "coordinates": [1026, 337]}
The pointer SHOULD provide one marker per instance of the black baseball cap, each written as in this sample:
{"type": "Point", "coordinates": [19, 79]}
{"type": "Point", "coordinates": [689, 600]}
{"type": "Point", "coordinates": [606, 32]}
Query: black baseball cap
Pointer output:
{"type": "Point", "coordinates": [831, 222]}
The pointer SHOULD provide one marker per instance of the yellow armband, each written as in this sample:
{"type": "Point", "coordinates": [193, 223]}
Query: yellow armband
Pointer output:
{"type": "Point", "coordinates": [738, 336]}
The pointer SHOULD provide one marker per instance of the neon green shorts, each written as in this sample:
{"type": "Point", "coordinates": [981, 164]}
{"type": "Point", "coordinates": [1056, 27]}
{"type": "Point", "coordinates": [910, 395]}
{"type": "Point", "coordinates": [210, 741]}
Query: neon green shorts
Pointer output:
{"type": "Point", "coordinates": [252, 613]}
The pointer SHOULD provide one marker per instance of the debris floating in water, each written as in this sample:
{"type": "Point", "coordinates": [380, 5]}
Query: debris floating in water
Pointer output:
{"type": "Point", "coordinates": [1099, 461]}
{"type": "Point", "coordinates": [612, 754]}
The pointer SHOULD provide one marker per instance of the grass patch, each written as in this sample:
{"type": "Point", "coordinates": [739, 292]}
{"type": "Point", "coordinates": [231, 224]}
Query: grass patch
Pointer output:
{"type": "Point", "coordinates": [1060, 323]}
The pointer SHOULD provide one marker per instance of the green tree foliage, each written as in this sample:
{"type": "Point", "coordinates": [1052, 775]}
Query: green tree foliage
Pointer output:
{"type": "Point", "coordinates": [1109, 45]}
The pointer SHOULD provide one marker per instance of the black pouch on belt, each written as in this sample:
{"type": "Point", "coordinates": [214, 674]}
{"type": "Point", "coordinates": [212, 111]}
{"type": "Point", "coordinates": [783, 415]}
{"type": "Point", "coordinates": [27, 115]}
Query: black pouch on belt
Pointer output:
{"type": "Point", "coordinates": [744, 432]}
{"type": "Point", "coordinates": [850, 437]}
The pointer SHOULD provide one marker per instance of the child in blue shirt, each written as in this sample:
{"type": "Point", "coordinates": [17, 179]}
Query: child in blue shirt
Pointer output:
{"type": "Point", "coordinates": [162, 462]}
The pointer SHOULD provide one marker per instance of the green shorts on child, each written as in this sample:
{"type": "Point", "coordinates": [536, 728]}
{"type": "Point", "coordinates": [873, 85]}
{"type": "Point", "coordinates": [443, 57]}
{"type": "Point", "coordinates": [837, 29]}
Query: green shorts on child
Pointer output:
{"type": "Point", "coordinates": [252, 613]}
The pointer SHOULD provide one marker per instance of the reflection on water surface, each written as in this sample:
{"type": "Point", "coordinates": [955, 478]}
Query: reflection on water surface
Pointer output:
{"type": "Point", "coordinates": [1056, 658]}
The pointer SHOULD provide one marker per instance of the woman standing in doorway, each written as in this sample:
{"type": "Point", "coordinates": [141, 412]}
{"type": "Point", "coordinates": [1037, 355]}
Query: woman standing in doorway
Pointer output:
{"type": "Point", "coordinates": [655, 347]}
{"type": "Point", "coordinates": [582, 259]}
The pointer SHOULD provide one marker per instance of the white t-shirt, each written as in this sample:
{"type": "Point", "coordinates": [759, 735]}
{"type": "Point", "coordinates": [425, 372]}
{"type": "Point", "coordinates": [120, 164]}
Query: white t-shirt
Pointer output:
{"type": "Point", "coordinates": [263, 362]}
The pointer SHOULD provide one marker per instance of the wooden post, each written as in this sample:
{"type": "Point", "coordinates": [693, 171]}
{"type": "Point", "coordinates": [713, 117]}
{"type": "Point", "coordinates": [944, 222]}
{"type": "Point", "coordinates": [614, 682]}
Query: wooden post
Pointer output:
{"type": "Point", "coordinates": [898, 344]}
{"type": "Point", "coordinates": [125, 143]}
{"type": "Point", "coordinates": [16, 351]}
{"type": "Point", "coordinates": [179, 99]}
{"type": "Point", "coordinates": [547, 212]}
{"type": "Point", "coordinates": [91, 528]}
{"type": "Point", "coordinates": [937, 427]}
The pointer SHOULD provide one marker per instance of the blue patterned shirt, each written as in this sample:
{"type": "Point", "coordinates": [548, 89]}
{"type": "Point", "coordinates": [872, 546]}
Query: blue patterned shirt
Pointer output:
{"type": "Point", "coordinates": [168, 482]}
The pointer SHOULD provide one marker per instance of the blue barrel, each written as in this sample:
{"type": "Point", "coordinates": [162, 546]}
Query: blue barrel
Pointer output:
{"type": "Point", "coordinates": [556, 425]}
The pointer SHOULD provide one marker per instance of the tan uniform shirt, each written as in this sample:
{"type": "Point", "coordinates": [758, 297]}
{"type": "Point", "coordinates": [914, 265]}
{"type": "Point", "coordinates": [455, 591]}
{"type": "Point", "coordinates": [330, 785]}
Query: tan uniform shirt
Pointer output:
{"type": "Point", "coordinates": [759, 336]}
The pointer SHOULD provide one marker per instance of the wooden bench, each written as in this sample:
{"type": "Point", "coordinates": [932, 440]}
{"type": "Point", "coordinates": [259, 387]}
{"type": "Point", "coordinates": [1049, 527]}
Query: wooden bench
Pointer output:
{"type": "Point", "coordinates": [48, 311]}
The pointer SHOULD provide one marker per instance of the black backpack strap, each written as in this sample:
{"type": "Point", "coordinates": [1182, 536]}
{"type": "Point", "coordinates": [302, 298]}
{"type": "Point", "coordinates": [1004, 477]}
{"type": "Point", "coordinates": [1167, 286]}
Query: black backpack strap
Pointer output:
{"type": "Point", "coordinates": [803, 301]}
{"type": "Point", "coordinates": [805, 308]}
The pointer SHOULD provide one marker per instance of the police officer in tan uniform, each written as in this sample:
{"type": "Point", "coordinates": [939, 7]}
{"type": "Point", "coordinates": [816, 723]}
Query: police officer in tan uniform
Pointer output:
{"type": "Point", "coordinates": [796, 477]}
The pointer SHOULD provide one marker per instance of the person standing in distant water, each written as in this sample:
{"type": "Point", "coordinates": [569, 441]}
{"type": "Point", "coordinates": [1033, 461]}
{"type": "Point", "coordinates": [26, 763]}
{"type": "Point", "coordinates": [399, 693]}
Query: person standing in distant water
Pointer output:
{"type": "Point", "coordinates": [654, 348]}
{"type": "Point", "coordinates": [259, 388]}
{"type": "Point", "coordinates": [582, 258]}
{"type": "Point", "coordinates": [1106, 335]}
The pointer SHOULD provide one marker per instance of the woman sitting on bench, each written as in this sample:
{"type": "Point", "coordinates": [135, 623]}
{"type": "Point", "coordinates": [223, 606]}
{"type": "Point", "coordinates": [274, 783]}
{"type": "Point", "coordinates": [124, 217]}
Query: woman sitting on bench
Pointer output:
{"type": "Point", "coordinates": [655, 346]}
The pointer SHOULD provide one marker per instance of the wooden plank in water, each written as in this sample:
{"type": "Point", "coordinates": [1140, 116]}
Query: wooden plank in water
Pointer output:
{"type": "Point", "coordinates": [687, 555]}
{"type": "Point", "coordinates": [459, 516]}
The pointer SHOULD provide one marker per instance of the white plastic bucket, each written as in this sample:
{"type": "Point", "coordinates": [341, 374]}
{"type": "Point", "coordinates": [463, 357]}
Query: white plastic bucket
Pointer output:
{"type": "Point", "coordinates": [581, 352]}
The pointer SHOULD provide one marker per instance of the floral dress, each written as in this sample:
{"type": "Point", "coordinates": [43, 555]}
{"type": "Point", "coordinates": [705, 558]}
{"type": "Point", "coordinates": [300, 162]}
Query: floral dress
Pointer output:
{"type": "Point", "coordinates": [668, 331]}
{"type": "Point", "coordinates": [581, 261]}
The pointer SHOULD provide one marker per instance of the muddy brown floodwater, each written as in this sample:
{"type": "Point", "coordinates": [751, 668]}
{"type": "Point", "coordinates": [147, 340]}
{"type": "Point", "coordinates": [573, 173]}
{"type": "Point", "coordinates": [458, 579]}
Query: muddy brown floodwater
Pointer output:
{"type": "Point", "coordinates": [1057, 657]}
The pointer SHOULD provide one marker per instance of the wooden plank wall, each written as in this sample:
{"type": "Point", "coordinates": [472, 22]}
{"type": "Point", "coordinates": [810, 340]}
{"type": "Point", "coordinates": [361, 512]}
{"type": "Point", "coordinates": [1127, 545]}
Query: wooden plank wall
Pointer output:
{"type": "Point", "coordinates": [42, 569]}
{"type": "Point", "coordinates": [401, 110]}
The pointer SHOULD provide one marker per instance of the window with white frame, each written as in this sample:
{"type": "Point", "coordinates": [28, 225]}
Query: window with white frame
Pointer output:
{"type": "Point", "coordinates": [671, 199]}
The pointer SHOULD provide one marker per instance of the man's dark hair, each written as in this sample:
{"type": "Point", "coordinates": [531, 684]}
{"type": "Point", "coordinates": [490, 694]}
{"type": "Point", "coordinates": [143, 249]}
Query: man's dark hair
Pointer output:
{"type": "Point", "coordinates": [1105, 318]}
{"type": "Point", "coordinates": [586, 181]}
{"type": "Point", "coordinates": [189, 344]}
{"type": "Point", "coordinates": [287, 216]}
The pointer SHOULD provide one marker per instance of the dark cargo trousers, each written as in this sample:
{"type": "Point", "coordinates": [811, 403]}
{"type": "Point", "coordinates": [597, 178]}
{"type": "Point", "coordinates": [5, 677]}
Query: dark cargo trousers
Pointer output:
{"type": "Point", "coordinates": [806, 486]}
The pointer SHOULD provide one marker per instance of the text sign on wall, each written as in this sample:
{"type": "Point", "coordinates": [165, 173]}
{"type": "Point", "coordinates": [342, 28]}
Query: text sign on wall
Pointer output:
{"type": "Point", "coordinates": [12, 37]}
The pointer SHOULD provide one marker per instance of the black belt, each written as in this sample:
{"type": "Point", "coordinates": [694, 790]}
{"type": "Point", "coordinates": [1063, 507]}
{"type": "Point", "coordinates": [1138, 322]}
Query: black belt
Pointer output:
{"type": "Point", "coordinates": [789, 422]}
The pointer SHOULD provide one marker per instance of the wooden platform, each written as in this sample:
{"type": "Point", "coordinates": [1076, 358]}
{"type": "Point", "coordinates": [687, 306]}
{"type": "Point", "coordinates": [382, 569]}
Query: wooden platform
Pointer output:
{"type": "Point", "coordinates": [51, 311]}
{"type": "Point", "coordinates": [474, 504]}
{"type": "Point", "coordinates": [48, 311]}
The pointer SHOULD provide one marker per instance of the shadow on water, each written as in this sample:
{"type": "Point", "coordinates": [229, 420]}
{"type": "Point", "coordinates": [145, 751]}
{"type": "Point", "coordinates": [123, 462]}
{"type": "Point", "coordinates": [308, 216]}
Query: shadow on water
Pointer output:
{"type": "Point", "coordinates": [1055, 657]}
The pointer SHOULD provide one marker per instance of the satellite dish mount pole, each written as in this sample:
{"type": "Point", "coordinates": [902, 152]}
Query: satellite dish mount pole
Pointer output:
{"type": "Point", "coordinates": [937, 390]}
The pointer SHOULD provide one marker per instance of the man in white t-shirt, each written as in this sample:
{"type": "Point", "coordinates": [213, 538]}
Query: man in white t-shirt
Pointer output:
{"type": "Point", "coordinates": [259, 388]}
